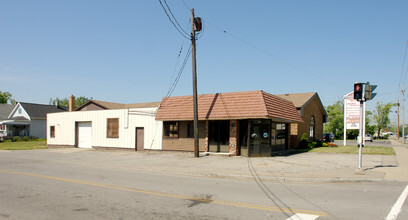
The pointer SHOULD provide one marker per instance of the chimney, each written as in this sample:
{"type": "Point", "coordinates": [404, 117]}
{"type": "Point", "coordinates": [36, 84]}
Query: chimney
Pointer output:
{"type": "Point", "coordinates": [71, 103]}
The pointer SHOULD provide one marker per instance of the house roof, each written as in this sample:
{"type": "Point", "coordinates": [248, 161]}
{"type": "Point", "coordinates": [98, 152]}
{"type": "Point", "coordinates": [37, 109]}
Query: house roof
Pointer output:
{"type": "Point", "coordinates": [300, 100]}
{"type": "Point", "coordinates": [39, 110]}
{"type": "Point", "coordinates": [234, 105]}
{"type": "Point", "coordinates": [113, 105]}
{"type": "Point", "coordinates": [5, 110]}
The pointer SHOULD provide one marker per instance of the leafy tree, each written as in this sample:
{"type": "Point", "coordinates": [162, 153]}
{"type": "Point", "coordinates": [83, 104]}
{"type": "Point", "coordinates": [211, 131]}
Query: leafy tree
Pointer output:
{"type": "Point", "coordinates": [335, 122]}
{"type": "Point", "coordinates": [5, 97]}
{"type": "Point", "coordinates": [65, 102]}
{"type": "Point", "coordinates": [335, 119]}
{"type": "Point", "coordinates": [381, 115]}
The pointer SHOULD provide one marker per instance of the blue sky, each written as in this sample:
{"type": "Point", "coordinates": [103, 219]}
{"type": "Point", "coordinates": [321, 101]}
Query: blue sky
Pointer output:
{"type": "Point", "coordinates": [126, 50]}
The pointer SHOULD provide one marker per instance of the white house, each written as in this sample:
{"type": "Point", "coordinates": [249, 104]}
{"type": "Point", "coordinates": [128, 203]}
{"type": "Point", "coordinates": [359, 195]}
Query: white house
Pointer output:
{"type": "Point", "coordinates": [29, 119]}
{"type": "Point", "coordinates": [5, 110]}
{"type": "Point", "coordinates": [119, 126]}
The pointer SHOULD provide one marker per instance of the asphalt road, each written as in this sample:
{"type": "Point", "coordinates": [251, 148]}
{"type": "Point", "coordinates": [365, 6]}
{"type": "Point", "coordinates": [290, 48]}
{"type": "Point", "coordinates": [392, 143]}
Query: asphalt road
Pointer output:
{"type": "Point", "coordinates": [50, 185]}
{"type": "Point", "coordinates": [377, 143]}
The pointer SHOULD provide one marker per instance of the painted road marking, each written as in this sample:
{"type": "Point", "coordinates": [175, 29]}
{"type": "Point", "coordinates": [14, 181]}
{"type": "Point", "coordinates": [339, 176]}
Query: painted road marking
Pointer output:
{"type": "Point", "coordinates": [298, 216]}
{"type": "Point", "coordinates": [236, 204]}
{"type": "Point", "coordinates": [397, 206]}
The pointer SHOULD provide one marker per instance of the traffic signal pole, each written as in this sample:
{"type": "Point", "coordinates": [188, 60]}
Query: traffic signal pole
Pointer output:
{"type": "Point", "coordinates": [362, 97]}
{"type": "Point", "coordinates": [360, 142]}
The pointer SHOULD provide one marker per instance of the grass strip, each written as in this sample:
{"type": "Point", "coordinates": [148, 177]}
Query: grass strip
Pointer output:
{"type": "Point", "coordinates": [23, 145]}
{"type": "Point", "coordinates": [351, 150]}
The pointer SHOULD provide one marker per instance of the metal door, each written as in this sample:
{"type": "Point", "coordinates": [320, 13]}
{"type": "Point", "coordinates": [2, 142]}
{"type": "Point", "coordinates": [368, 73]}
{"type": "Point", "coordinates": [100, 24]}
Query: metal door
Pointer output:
{"type": "Point", "coordinates": [139, 139]}
{"type": "Point", "coordinates": [84, 134]}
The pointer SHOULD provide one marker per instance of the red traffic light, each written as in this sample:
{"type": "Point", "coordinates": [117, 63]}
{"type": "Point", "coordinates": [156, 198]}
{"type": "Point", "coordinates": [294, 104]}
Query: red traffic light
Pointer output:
{"type": "Point", "coordinates": [358, 91]}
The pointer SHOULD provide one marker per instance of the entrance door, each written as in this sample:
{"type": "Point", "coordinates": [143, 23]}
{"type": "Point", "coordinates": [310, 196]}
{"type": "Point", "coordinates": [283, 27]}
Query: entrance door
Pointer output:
{"type": "Point", "coordinates": [139, 139]}
{"type": "Point", "coordinates": [84, 134]}
{"type": "Point", "coordinates": [218, 136]}
{"type": "Point", "coordinates": [259, 139]}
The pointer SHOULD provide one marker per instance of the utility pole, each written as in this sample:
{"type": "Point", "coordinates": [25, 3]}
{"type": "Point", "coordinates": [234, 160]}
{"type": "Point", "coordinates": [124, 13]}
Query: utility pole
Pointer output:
{"type": "Point", "coordinates": [403, 113]}
{"type": "Point", "coordinates": [398, 120]}
{"type": "Point", "coordinates": [193, 48]}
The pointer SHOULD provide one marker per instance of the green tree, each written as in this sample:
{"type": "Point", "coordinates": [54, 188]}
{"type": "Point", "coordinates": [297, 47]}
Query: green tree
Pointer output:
{"type": "Point", "coordinates": [5, 97]}
{"type": "Point", "coordinates": [335, 119]}
{"type": "Point", "coordinates": [381, 115]}
{"type": "Point", "coordinates": [64, 102]}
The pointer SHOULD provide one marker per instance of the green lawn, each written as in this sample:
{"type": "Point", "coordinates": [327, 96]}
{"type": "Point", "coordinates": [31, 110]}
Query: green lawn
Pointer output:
{"type": "Point", "coordinates": [23, 145]}
{"type": "Point", "coordinates": [351, 150]}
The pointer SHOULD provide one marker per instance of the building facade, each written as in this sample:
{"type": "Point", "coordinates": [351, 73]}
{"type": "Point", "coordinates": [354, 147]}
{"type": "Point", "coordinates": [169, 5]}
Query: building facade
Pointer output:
{"type": "Point", "coordinates": [253, 123]}
{"type": "Point", "coordinates": [313, 114]}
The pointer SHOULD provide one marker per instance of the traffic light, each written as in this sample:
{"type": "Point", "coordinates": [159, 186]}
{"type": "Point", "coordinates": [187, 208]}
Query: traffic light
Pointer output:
{"type": "Point", "coordinates": [368, 91]}
{"type": "Point", "coordinates": [358, 91]}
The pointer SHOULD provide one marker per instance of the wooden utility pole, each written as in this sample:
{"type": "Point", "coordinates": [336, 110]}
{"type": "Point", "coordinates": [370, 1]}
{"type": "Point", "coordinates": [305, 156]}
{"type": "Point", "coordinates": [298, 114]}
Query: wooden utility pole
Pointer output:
{"type": "Point", "coordinates": [398, 120]}
{"type": "Point", "coordinates": [193, 53]}
{"type": "Point", "coordinates": [403, 113]}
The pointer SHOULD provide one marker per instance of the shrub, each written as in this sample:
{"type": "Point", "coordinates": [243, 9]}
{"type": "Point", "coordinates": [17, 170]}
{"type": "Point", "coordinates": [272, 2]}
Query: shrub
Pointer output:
{"type": "Point", "coordinates": [304, 137]}
{"type": "Point", "coordinates": [16, 138]}
{"type": "Point", "coordinates": [303, 144]}
{"type": "Point", "coordinates": [25, 138]}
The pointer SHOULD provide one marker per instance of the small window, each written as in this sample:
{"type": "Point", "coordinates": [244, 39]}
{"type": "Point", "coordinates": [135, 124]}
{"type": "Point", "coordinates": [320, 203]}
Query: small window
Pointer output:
{"type": "Point", "coordinates": [312, 127]}
{"type": "Point", "coordinates": [19, 111]}
{"type": "Point", "coordinates": [170, 129]}
{"type": "Point", "coordinates": [190, 130]}
{"type": "Point", "coordinates": [112, 130]}
{"type": "Point", "coordinates": [52, 131]}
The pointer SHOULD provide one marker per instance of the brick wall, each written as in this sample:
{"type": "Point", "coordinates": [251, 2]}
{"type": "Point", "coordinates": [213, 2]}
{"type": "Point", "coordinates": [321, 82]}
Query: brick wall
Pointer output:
{"type": "Point", "coordinates": [184, 143]}
{"type": "Point", "coordinates": [312, 109]}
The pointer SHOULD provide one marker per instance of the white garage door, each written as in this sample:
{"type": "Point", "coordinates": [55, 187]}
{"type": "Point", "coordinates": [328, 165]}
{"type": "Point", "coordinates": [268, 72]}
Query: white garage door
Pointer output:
{"type": "Point", "coordinates": [85, 135]}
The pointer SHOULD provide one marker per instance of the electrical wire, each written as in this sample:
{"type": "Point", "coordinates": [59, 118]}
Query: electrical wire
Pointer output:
{"type": "Point", "coordinates": [172, 15]}
{"type": "Point", "coordinates": [182, 32]}
{"type": "Point", "coordinates": [176, 80]}
{"type": "Point", "coordinates": [185, 4]}
{"type": "Point", "coordinates": [274, 56]}
{"type": "Point", "coordinates": [403, 65]}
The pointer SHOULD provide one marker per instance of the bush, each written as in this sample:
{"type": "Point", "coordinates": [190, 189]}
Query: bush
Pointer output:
{"type": "Point", "coordinates": [16, 138]}
{"type": "Point", "coordinates": [303, 144]}
{"type": "Point", "coordinates": [25, 138]}
{"type": "Point", "coordinates": [304, 137]}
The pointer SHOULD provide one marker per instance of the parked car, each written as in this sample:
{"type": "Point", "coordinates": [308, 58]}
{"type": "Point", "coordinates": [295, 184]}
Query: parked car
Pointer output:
{"type": "Point", "coordinates": [328, 137]}
{"type": "Point", "coordinates": [368, 138]}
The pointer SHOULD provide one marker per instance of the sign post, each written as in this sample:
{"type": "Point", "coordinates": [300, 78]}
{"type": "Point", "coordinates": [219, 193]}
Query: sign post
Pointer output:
{"type": "Point", "coordinates": [351, 114]}
{"type": "Point", "coordinates": [361, 97]}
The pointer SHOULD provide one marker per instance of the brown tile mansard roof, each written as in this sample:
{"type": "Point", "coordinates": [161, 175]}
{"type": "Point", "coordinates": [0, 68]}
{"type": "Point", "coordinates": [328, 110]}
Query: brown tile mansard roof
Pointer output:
{"type": "Point", "coordinates": [234, 105]}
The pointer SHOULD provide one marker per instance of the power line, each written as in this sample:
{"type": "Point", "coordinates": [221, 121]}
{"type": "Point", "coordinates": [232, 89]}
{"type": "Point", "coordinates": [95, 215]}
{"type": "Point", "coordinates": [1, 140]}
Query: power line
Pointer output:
{"type": "Point", "coordinates": [175, 26]}
{"type": "Point", "coordinates": [172, 15]}
{"type": "Point", "coordinates": [272, 55]}
{"type": "Point", "coordinates": [176, 80]}
{"type": "Point", "coordinates": [185, 4]}
{"type": "Point", "coordinates": [403, 65]}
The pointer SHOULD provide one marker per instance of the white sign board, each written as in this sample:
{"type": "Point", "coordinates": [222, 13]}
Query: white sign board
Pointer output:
{"type": "Point", "coordinates": [351, 112]}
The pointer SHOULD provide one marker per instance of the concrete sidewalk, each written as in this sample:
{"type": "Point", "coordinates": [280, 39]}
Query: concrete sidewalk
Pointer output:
{"type": "Point", "coordinates": [302, 167]}
{"type": "Point", "coordinates": [400, 172]}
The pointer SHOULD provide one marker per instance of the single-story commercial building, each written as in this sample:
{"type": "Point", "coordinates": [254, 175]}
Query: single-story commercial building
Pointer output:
{"type": "Point", "coordinates": [92, 125]}
{"type": "Point", "coordinates": [253, 123]}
